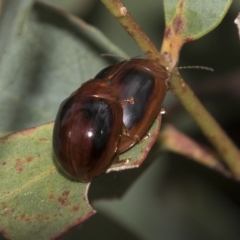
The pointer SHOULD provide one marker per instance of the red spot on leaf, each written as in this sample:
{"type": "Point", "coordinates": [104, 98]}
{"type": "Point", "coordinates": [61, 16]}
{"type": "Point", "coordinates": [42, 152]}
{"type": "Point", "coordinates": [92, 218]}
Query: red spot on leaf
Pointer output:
{"type": "Point", "coordinates": [75, 208]}
{"type": "Point", "coordinates": [178, 24]}
{"type": "Point", "coordinates": [168, 32]}
{"type": "Point", "coordinates": [66, 193]}
{"type": "Point", "coordinates": [29, 159]}
{"type": "Point", "coordinates": [19, 165]}
{"type": "Point", "coordinates": [43, 139]}
{"type": "Point", "coordinates": [63, 200]}
{"type": "Point", "coordinates": [51, 196]}
{"type": "Point", "coordinates": [4, 207]}
{"type": "Point", "coordinates": [24, 218]}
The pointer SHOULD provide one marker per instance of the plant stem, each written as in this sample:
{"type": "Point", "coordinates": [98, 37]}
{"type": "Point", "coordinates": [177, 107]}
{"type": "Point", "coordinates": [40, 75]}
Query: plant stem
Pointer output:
{"type": "Point", "coordinates": [120, 12]}
{"type": "Point", "coordinates": [225, 147]}
{"type": "Point", "coordinates": [173, 140]}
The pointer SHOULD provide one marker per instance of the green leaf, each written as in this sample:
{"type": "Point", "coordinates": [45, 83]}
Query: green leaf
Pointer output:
{"type": "Point", "coordinates": [187, 20]}
{"type": "Point", "coordinates": [53, 54]}
{"type": "Point", "coordinates": [195, 17]}
{"type": "Point", "coordinates": [36, 199]}
{"type": "Point", "coordinates": [49, 55]}
{"type": "Point", "coordinates": [12, 20]}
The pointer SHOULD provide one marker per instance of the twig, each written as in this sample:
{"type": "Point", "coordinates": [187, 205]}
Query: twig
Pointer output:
{"type": "Point", "coordinates": [120, 12]}
{"type": "Point", "coordinates": [175, 141]}
{"type": "Point", "coordinates": [225, 147]}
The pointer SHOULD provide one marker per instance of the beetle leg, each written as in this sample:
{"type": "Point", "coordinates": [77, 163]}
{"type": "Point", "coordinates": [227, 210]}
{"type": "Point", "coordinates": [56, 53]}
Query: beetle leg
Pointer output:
{"type": "Point", "coordinates": [125, 133]}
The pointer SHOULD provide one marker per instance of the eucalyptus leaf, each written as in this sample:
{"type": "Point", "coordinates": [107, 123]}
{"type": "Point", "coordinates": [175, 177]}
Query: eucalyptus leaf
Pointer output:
{"type": "Point", "coordinates": [195, 18]}
{"type": "Point", "coordinates": [37, 199]}
{"type": "Point", "coordinates": [54, 54]}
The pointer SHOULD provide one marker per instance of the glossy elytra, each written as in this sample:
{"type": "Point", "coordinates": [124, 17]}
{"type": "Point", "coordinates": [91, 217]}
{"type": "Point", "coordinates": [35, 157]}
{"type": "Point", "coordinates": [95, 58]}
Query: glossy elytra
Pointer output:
{"type": "Point", "coordinates": [87, 131]}
{"type": "Point", "coordinates": [107, 115]}
{"type": "Point", "coordinates": [144, 81]}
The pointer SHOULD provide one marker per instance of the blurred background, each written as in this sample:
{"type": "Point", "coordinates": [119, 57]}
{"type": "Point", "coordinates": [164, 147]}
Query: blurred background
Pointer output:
{"type": "Point", "coordinates": [171, 197]}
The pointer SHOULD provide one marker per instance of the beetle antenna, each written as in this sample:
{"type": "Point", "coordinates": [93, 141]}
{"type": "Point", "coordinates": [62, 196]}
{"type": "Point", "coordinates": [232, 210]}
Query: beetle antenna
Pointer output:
{"type": "Point", "coordinates": [197, 67]}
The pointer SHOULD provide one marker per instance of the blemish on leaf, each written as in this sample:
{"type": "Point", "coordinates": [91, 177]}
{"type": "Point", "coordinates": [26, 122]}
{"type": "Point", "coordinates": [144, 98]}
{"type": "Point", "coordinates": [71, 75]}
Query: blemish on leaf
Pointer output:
{"type": "Point", "coordinates": [75, 208]}
{"type": "Point", "coordinates": [4, 163]}
{"type": "Point", "coordinates": [63, 200]}
{"type": "Point", "coordinates": [19, 165]}
{"type": "Point", "coordinates": [29, 159]}
{"type": "Point", "coordinates": [4, 207]}
{"type": "Point", "coordinates": [178, 24]}
{"type": "Point", "coordinates": [51, 196]}
{"type": "Point", "coordinates": [24, 218]}
{"type": "Point", "coordinates": [44, 140]}
{"type": "Point", "coordinates": [168, 33]}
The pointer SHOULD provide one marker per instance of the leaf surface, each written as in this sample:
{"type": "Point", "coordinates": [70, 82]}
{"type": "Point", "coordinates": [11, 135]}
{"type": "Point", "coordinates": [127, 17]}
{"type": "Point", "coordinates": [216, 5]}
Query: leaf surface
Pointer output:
{"type": "Point", "coordinates": [53, 54]}
{"type": "Point", "coordinates": [36, 196]}
{"type": "Point", "coordinates": [188, 20]}
{"type": "Point", "coordinates": [49, 55]}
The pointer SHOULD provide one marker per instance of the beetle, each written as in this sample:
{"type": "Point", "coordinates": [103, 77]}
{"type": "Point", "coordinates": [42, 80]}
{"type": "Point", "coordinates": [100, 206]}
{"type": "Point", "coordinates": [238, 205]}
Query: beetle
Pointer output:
{"type": "Point", "coordinates": [145, 81]}
{"type": "Point", "coordinates": [87, 130]}
{"type": "Point", "coordinates": [107, 115]}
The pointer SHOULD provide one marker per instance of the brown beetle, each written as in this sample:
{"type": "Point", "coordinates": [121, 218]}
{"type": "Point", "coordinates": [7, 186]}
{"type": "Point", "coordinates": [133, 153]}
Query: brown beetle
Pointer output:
{"type": "Point", "coordinates": [107, 115]}
{"type": "Point", "coordinates": [144, 81]}
{"type": "Point", "coordinates": [87, 130]}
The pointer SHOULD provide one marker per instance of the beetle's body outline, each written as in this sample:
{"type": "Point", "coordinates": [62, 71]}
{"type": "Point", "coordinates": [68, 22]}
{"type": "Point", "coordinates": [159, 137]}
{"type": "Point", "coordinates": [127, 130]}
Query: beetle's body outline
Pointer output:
{"type": "Point", "coordinates": [132, 92]}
